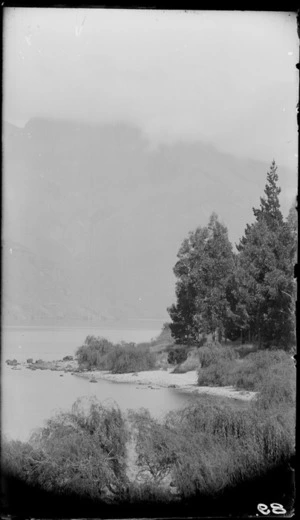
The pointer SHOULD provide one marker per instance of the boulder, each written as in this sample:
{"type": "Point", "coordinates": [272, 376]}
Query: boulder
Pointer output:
{"type": "Point", "coordinates": [12, 362]}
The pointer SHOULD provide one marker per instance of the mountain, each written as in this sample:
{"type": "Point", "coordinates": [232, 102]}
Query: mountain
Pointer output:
{"type": "Point", "coordinates": [94, 216]}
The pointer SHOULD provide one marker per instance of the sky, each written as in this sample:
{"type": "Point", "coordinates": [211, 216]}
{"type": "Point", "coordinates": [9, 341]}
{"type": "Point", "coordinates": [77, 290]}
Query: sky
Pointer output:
{"type": "Point", "coordinates": [226, 78]}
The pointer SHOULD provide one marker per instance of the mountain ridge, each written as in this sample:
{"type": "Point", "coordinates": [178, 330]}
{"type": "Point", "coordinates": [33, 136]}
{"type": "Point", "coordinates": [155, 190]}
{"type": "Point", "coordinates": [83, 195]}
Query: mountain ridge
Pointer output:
{"type": "Point", "coordinates": [109, 213]}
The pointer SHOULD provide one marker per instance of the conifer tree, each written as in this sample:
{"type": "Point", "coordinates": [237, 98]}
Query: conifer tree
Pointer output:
{"type": "Point", "coordinates": [266, 266]}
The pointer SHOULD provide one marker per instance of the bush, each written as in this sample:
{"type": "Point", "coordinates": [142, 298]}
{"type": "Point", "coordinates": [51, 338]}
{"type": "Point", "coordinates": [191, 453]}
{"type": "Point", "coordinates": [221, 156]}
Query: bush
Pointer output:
{"type": "Point", "coordinates": [244, 350]}
{"type": "Point", "coordinates": [101, 354]}
{"type": "Point", "coordinates": [219, 373]}
{"type": "Point", "coordinates": [217, 446]}
{"type": "Point", "coordinates": [131, 359]}
{"type": "Point", "coordinates": [81, 451]}
{"type": "Point", "coordinates": [259, 367]}
{"type": "Point", "coordinates": [278, 388]}
{"type": "Point", "coordinates": [68, 358]}
{"type": "Point", "coordinates": [250, 373]}
{"type": "Point", "coordinates": [177, 354]}
{"type": "Point", "coordinates": [94, 353]}
{"type": "Point", "coordinates": [207, 447]}
{"type": "Point", "coordinates": [213, 354]}
{"type": "Point", "coordinates": [154, 445]}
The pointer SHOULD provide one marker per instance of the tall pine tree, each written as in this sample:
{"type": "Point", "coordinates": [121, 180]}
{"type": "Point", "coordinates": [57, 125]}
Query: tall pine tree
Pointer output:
{"type": "Point", "coordinates": [266, 269]}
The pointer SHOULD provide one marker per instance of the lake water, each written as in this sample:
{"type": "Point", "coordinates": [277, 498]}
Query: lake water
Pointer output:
{"type": "Point", "coordinates": [31, 397]}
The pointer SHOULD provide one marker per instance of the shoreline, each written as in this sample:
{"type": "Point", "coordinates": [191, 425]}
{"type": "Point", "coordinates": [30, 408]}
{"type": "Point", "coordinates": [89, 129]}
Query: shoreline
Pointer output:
{"type": "Point", "coordinates": [153, 379]}
{"type": "Point", "coordinates": [160, 378]}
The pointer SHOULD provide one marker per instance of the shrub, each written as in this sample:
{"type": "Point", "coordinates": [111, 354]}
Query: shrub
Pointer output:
{"type": "Point", "coordinates": [154, 445]}
{"type": "Point", "coordinates": [278, 388]}
{"type": "Point", "coordinates": [244, 350]}
{"type": "Point", "coordinates": [250, 373]}
{"type": "Point", "coordinates": [213, 354]}
{"type": "Point", "coordinates": [177, 354]}
{"type": "Point", "coordinates": [94, 353]}
{"type": "Point", "coordinates": [101, 354]}
{"type": "Point", "coordinates": [217, 446]}
{"type": "Point", "coordinates": [81, 451]}
{"type": "Point", "coordinates": [219, 373]}
{"type": "Point", "coordinates": [131, 359]}
{"type": "Point", "coordinates": [259, 367]}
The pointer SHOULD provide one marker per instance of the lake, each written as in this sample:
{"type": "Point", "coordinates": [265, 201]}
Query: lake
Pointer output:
{"type": "Point", "coordinates": [30, 397]}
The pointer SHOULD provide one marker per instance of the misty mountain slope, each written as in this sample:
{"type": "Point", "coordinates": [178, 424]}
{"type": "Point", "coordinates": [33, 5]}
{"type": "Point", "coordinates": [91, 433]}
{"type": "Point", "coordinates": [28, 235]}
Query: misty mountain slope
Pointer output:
{"type": "Point", "coordinates": [109, 213]}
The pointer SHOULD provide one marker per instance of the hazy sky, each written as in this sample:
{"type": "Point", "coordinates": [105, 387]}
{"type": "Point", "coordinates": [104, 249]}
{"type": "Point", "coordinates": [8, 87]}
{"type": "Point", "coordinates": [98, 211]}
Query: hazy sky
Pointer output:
{"type": "Point", "coordinates": [228, 78]}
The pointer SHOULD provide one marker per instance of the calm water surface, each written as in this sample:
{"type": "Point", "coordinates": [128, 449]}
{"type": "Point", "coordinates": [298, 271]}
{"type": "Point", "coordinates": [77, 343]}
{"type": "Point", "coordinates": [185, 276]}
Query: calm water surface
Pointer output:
{"type": "Point", "coordinates": [31, 397]}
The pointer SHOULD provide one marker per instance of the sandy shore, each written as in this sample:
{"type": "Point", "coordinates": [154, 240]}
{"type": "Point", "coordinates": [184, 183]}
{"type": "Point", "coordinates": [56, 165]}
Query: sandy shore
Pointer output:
{"type": "Point", "coordinates": [152, 378]}
{"type": "Point", "coordinates": [164, 378]}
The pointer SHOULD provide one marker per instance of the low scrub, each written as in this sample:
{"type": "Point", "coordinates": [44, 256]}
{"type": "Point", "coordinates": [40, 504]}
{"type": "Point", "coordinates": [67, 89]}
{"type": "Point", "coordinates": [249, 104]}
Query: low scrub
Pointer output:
{"type": "Point", "coordinates": [256, 372]}
{"type": "Point", "coordinates": [223, 447]}
{"type": "Point", "coordinates": [201, 451]}
{"type": "Point", "coordinates": [244, 349]}
{"type": "Point", "coordinates": [207, 448]}
{"type": "Point", "coordinates": [215, 353]}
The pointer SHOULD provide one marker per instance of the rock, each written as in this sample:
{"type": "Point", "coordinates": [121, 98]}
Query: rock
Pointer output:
{"type": "Point", "coordinates": [12, 362]}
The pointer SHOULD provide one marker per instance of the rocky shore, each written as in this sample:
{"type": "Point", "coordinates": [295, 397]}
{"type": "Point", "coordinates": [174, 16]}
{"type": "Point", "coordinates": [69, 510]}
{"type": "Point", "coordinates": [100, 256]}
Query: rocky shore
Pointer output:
{"type": "Point", "coordinates": [68, 364]}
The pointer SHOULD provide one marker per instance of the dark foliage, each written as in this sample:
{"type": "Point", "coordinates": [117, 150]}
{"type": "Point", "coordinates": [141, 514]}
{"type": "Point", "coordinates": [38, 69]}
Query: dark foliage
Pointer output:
{"type": "Point", "coordinates": [249, 296]}
{"type": "Point", "coordinates": [177, 354]}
